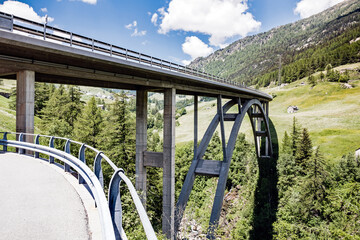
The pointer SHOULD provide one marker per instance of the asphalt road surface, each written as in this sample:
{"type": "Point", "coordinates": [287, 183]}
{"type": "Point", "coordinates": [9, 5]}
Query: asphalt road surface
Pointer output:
{"type": "Point", "coordinates": [37, 202]}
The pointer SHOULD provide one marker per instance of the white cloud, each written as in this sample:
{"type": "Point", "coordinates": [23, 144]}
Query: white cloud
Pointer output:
{"type": "Point", "coordinates": [186, 62]}
{"type": "Point", "coordinates": [90, 1]}
{"type": "Point", "coordinates": [23, 10]}
{"type": "Point", "coordinates": [221, 19]}
{"type": "Point", "coordinates": [154, 18]}
{"type": "Point", "coordinates": [136, 32]}
{"type": "Point", "coordinates": [306, 8]}
{"type": "Point", "coordinates": [194, 47]}
{"type": "Point", "coordinates": [131, 25]}
{"type": "Point", "coordinates": [44, 10]}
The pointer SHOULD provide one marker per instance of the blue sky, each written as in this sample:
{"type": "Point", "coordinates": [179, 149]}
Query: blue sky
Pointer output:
{"type": "Point", "coordinates": [175, 30]}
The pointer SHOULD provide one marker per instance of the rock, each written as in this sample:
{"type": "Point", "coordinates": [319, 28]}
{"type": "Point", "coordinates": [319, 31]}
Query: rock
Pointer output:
{"type": "Point", "coordinates": [346, 86]}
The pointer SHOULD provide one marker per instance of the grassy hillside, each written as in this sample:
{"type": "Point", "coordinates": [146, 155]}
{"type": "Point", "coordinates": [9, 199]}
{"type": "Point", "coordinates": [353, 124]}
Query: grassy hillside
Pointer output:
{"type": "Point", "coordinates": [330, 112]}
{"type": "Point", "coordinates": [8, 117]}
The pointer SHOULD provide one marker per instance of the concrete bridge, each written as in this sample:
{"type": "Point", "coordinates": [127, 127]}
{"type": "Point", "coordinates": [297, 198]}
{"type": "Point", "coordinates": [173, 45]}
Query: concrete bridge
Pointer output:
{"type": "Point", "coordinates": [32, 52]}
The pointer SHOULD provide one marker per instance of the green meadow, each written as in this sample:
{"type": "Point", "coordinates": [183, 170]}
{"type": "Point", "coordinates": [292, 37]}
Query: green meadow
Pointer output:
{"type": "Point", "coordinates": [330, 112]}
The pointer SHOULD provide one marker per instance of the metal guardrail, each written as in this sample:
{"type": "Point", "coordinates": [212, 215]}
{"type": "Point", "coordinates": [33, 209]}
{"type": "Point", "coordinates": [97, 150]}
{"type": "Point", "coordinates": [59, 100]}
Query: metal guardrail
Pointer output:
{"type": "Point", "coordinates": [48, 33]}
{"type": "Point", "coordinates": [110, 210]}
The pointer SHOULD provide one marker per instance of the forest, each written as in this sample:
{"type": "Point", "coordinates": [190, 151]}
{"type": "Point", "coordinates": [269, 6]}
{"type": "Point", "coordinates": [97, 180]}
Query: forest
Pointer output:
{"type": "Point", "coordinates": [296, 195]}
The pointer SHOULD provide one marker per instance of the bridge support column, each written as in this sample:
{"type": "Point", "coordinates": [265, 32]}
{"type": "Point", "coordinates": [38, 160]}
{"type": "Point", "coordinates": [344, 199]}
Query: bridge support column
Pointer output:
{"type": "Point", "coordinates": [141, 142]}
{"type": "Point", "coordinates": [169, 164]}
{"type": "Point", "coordinates": [25, 95]}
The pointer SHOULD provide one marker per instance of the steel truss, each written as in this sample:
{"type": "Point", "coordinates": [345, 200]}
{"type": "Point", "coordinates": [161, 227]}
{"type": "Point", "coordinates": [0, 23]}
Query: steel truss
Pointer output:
{"type": "Point", "coordinates": [258, 114]}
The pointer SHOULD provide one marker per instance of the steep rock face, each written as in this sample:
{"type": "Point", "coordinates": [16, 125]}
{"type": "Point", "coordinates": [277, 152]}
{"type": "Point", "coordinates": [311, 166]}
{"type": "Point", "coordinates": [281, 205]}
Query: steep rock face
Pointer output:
{"type": "Point", "coordinates": [253, 56]}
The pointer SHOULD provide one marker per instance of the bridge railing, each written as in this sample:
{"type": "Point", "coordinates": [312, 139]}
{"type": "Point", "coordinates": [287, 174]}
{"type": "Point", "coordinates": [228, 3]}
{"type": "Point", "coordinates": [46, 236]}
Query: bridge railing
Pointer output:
{"type": "Point", "coordinates": [110, 211]}
{"type": "Point", "coordinates": [49, 33]}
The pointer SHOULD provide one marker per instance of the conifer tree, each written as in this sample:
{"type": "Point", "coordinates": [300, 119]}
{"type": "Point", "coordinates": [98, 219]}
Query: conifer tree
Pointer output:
{"type": "Point", "coordinates": [42, 95]}
{"type": "Point", "coordinates": [311, 80]}
{"type": "Point", "coordinates": [295, 136]}
{"type": "Point", "coordinates": [74, 104]}
{"type": "Point", "coordinates": [304, 149]}
{"type": "Point", "coordinates": [118, 139]}
{"type": "Point", "coordinates": [60, 112]}
{"type": "Point", "coordinates": [286, 144]}
{"type": "Point", "coordinates": [88, 126]}
{"type": "Point", "coordinates": [314, 187]}
{"type": "Point", "coordinates": [348, 169]}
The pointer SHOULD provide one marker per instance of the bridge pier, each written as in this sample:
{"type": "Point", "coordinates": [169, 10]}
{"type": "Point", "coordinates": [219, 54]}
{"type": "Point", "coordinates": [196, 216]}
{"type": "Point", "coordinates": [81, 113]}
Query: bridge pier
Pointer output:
{"type": "Point", "coordinates": [25, 95]}
{"type": "Point", "coordinates": [169, 164]}
{"type": "Point", "coordinates": [141, 142]}
{"type": "Point", "coordinates": [165, 159]}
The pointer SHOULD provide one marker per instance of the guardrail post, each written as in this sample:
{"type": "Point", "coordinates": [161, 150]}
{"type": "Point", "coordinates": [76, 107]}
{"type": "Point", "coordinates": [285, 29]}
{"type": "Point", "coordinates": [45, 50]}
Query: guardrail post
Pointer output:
{"type": "Point", "coordinates": [115, 205]}
{"type": "Point", "coordinates": [51, 144]}
{"type": "Point", "coordinates": [82, 158]}
{"type": "Point", "coordinates": [67, 150]}
{"type": "Point", "coordinates": [37, 142]}
{"type": "Point", "coordinates": [5, 144]}
{"type": "Point", "coordinates": [45, 24]}
{"type": "Point", "coordinates": [98, 170]}
{"type": "Point", "coordinates": [21, 139]}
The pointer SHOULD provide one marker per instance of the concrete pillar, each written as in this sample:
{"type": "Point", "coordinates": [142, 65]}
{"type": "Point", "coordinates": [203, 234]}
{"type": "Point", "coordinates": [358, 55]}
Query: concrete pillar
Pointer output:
{"type": "Point", "coordinates": [267, 139]}
{"type": "Point", "coordinates": [169, 164]}
{"type": "Point", "coordinates": [195, 124]}
{"type": "Point", "coordinates": [141, 142]}
{"type": "Point", "coordinates": [25, 94]}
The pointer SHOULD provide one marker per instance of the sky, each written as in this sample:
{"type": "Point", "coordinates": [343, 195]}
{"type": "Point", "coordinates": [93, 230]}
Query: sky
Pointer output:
{"type": "Point", "coordinates": [174, 30]}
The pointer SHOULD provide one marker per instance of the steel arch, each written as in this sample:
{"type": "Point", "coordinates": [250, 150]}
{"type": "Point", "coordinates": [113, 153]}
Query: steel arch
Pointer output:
{"type": "Point", "coordinates": [254, 108]}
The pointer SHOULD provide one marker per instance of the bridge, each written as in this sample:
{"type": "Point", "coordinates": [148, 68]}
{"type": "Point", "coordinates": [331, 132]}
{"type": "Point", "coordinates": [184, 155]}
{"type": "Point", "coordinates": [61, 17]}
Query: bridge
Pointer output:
{"type": "Point", "coordinates": [32, 52]}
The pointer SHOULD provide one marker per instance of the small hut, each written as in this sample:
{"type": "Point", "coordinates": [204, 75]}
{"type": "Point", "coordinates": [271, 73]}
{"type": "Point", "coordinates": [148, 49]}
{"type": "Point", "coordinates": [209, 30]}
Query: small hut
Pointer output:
{"type": "Point", "coordinates": [292, 109]}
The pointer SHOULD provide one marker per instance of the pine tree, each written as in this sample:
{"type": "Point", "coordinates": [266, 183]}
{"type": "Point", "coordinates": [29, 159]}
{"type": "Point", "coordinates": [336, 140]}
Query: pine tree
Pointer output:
{"type": "Point", "coordinates": [118, 139]}
{"type": "Point", "coordinates": [314, 187]}
{"type": "Point", "coordinates": [60, 112]}
{"type": "Point", "coordinates": [311, 80]}
{"type": "Point", "coordinates": [42, 95]}
{"type": "Point", "coordinates": [88, 126]}
{"type": "Point", "coordinates": [304, 150]}
{"type": "Point", "coordinates": [74, 105]}
{"type": "Point", "coordinates": [348, 169]}
{"type": "Point", "coordinates": [286, 144]}
{"type": "Point", "coordinates": [295, 136]}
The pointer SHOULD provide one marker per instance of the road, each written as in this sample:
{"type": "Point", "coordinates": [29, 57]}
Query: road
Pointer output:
{"type": "Point", "coordinates": [37, 202]}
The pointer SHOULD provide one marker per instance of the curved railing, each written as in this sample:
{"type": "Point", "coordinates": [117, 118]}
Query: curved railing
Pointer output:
{"type": "Point", "coordinates": [46, 32]}
{"type": "Point", "coordinates": [110, 211]}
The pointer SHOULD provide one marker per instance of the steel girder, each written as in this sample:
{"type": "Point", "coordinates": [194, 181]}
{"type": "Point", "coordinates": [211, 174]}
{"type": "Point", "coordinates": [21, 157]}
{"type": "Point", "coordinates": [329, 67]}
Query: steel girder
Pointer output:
{"type": "Point", "coordinates": [258, 114]}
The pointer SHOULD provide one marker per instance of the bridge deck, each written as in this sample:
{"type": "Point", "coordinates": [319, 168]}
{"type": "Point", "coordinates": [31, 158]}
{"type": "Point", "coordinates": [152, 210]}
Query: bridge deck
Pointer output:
{"type": "Point", "coordinates": [37, 202]}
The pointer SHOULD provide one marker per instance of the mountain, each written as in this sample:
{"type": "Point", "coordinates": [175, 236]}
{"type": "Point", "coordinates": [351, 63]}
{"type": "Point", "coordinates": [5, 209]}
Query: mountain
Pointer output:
{"type": "Point", "coordinates": [330, 37]}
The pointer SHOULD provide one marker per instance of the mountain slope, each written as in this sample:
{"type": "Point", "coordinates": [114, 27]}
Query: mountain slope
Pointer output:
{"type": "Point", "coordinates": [247, 59]}
{"type": "Point", "coordinates": [329, 111]}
